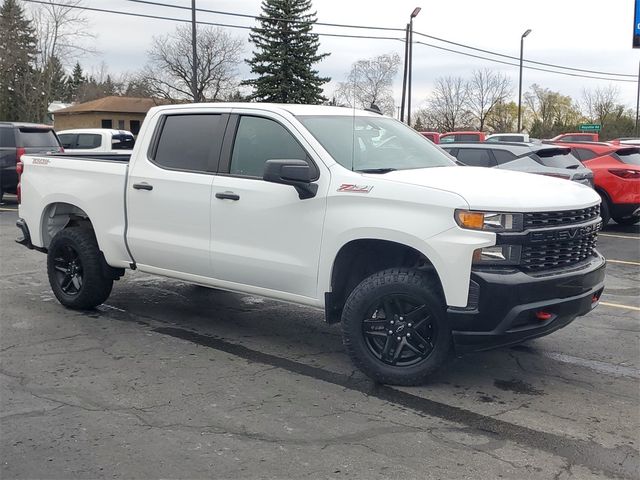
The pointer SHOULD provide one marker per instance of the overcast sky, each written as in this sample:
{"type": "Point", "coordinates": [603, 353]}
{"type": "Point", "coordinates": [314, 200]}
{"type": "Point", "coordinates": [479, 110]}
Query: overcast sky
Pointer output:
{"type": "Point", "coordinates": [586, 34]}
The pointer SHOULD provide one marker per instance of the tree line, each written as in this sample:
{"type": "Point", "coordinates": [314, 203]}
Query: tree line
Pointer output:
{"type": "Point", "coordinates": [35, 50]}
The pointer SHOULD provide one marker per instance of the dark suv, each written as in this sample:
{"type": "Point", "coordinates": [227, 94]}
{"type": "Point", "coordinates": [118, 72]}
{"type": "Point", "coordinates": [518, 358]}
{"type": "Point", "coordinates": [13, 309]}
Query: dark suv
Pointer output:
{"type": "Point", "coordinates": [551, 160]}
{"type": "Point", "coordinates": [16, 139]}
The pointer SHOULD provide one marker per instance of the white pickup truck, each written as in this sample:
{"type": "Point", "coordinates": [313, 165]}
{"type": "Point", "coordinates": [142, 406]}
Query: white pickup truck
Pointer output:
{"type": "Point", "coordinates": [329, 207]}
{"type": "Point", "coordinates": [93, 140]}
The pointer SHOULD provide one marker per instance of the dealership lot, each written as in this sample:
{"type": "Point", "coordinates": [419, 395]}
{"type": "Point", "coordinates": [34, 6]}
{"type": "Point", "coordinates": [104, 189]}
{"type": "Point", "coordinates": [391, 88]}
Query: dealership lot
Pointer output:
{"type": "Point", "coordinates": [172, 380]}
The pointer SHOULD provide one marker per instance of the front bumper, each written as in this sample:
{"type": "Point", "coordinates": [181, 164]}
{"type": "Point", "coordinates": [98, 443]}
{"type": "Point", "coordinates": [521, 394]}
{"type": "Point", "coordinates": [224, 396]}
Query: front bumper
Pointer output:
{"type": "Point", "coordinates": [505, 304]}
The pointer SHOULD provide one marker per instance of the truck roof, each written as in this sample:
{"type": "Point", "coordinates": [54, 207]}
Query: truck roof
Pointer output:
{"type": "Point", "coordinates": [293, 109]}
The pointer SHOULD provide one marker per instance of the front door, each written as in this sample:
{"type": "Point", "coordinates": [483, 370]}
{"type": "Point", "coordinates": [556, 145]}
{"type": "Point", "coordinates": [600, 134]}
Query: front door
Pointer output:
{"type": "Point", "coordinates": [263, 234]}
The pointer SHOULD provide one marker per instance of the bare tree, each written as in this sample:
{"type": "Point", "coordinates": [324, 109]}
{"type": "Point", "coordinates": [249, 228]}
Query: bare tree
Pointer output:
{"type": "Point", "coordinates": [62, 30]}
{"type": "Point", "coordinates": [485, 90]}
{"type": "Point", "coordinates": [600, 104]}
{"type": "Point", "coordinates": [169, 71]}
{"type": "Point", "coordinates": [370, 82]}
{"type": "Point", "coordinates": [447, 105]}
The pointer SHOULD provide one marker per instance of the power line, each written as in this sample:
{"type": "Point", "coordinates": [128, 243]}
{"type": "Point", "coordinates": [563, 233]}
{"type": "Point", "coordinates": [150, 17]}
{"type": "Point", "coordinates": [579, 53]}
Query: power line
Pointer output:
{"type": "Point", "coordinates": [525, 66]}
{"type": "Point", "coordinates": [368, 27]}
{"type": "Point", "coordinates": [371, 37]}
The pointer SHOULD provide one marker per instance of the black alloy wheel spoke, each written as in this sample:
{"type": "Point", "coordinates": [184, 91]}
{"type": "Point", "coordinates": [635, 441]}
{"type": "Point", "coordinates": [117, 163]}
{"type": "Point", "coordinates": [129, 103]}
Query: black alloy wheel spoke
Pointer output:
{"type": "Point", "coordinates": [404, 334]}
{"type": "Point", "coordinates": [375, 327]}
{"type": "Point", "coordinates": [68, 270]}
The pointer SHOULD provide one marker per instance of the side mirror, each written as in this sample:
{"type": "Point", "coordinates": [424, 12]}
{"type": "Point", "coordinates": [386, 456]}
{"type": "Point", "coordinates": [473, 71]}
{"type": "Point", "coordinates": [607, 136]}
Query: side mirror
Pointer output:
{"type": "Point", "coordinates": [296, 173]}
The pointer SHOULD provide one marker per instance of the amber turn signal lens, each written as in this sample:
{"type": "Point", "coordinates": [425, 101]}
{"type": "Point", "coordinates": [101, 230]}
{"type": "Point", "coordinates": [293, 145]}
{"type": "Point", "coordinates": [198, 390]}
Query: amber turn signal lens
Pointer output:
{"type": "Point", "coordinates": [473, 220]}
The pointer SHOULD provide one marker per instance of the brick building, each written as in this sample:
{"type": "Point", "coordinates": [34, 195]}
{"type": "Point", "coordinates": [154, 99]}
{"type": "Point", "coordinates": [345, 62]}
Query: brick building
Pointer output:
{"type": "Point", "coordinates": [122, 113]}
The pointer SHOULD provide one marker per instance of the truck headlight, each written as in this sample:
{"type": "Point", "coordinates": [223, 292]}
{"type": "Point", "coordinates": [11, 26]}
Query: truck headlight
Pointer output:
{"type": "Point", "coordinates": [498, 255]}
{"type": "Point", "coordinates": [489, 221]}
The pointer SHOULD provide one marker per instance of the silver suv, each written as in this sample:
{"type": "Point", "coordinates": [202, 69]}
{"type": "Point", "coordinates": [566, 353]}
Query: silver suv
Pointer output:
{"type": "Point", "coordinates": [551, 160]}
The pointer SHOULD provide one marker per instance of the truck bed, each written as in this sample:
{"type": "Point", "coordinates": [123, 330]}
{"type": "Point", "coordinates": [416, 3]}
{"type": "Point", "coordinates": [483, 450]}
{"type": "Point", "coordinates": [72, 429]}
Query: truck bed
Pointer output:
{"type": "Point", "coordinates": [95, 184]}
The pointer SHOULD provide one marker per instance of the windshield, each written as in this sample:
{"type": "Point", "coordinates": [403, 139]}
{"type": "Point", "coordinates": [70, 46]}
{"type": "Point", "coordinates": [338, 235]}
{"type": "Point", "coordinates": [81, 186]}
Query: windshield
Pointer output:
{"type": "Point", "coordinates": [377, 143]}
{"type": "Point", "coordinates": [31, 137]}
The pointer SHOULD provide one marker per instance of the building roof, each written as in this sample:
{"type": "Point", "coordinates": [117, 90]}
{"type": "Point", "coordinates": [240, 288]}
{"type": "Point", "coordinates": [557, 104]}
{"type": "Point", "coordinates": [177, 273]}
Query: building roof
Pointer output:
{"type": "Point", "coordinates": [114, 104]}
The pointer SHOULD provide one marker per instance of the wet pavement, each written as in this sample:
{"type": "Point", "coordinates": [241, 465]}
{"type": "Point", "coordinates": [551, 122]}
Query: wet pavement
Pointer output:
{"type": "Point", "coordinates": [170, 380]}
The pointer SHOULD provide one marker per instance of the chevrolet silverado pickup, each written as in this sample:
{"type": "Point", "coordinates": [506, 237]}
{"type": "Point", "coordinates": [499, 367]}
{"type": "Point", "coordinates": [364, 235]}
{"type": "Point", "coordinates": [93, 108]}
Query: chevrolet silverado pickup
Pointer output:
{"type": "Point", "coordinates": [344, 210]}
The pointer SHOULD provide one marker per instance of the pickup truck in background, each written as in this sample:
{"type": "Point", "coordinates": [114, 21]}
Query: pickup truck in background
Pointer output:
{"type": "Point", "coordinates": [89, 140]}
{"type": "Point", "coordinates": [450, 137]}
{"type": "Point", "coordinates": [16, 139]}
{"type": "Point", "coordinates": [344, 210]}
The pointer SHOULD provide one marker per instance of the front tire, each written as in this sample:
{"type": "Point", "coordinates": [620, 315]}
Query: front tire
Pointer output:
{"type": "Point", "coordinates": [74, 267]}
{"type": "Point", "coordinates": [394, 327]}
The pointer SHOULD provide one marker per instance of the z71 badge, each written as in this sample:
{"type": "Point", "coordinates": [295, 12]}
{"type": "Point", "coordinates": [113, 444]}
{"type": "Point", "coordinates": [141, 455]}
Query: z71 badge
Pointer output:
{"type": "Point", "coordinates": [352, 188]}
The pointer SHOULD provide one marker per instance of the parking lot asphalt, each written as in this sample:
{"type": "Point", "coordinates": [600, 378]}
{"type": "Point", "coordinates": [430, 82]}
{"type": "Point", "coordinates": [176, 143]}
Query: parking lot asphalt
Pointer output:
{"type": "Point", "coordinates": [170, 380]}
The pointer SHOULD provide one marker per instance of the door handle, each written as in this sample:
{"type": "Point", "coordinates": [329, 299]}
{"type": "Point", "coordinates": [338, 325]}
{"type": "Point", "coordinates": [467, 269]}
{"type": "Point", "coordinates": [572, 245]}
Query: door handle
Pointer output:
{"type": "Point", "coordinates": [142, 186]}
{"type": "Point", "coordinates": [227, 196]}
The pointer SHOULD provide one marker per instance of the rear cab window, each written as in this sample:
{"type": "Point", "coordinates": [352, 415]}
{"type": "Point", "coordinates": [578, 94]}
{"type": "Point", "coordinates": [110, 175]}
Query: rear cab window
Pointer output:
{"type": "Point", "coordinates": [37, 137]}
{"type": "Point", "coordinates": [188, 142]}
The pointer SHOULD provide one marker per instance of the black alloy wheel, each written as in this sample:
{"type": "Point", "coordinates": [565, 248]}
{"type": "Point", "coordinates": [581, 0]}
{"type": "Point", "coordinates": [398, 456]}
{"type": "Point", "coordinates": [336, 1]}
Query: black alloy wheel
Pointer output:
{"type": "Point", "coordinates": [68, 270]}
{"type": "Point", "coordinates": [400, 330]}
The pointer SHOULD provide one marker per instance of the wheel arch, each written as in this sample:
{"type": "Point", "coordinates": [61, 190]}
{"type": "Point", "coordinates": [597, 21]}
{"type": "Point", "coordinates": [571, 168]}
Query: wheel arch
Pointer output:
{"type": "Point", "coordinates": [57, 216]}
{"type": "Point", "coordinates": [359, 258]}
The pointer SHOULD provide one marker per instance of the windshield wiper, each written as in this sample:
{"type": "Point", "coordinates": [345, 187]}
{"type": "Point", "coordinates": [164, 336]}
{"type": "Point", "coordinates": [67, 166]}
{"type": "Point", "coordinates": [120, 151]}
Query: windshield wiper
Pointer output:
{"type": "Point", "coordinates": [377, 170]}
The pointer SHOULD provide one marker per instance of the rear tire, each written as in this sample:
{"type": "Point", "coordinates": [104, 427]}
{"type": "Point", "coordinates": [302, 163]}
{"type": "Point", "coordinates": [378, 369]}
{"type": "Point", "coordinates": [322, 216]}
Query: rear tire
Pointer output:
{"type": "Point", "coordinates": [627, 220]}
{"type": "Point", "coordinates": [397, 303]}
{"type": "Point", "coordinates": [74, 267]}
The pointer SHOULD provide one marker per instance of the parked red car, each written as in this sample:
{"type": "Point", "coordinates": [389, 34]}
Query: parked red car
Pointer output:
{"type": "Point", "coordinates": [616, 172]}
{"type": "Point", "coordinates": [450, 137]}
{"type": "Point", "coordinates": [433, 136]}
{"type": "Point", "coordinates": [576, 137]}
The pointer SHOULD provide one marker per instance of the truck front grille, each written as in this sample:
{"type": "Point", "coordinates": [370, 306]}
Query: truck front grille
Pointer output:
{"type": "Point", "coordinates": [547, 256]}
{"type": "Point", "coordinates": [556, 219]}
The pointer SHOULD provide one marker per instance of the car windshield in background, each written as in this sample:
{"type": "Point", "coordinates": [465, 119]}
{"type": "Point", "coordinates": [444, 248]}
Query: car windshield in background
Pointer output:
{"type": "Point", "coordinates": [630, 156]}
{"type": "Point", "coordinates": [374, 144]}
{"type": "Point", "coordinates": [556, 157]}
{"type": "Point", "coordinates": [31, 137]}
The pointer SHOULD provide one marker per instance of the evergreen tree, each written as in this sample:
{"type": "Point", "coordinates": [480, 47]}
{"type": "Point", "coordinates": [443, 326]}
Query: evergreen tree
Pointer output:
{"type": "Point", "coordinates": [17, 57]}
{"type": "Point", "coordinates": [75, 82]}
{"type": "Point", "coordinates": [286, 51]}
{"type": "Point", "coordinates": [55, 75]}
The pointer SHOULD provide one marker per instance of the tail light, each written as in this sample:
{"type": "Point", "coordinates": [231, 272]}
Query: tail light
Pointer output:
{"type": "Point", "coordinates": [625, 173]}
{"type": "Point", "coordinates": [19, 169]}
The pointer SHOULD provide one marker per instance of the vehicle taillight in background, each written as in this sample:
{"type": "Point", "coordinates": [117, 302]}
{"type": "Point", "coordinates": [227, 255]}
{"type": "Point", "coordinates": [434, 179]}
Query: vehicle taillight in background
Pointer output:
{"type": "Point", "coordinates": [19, 169]}
{"type": "Point", "coordinates": [625, 173]}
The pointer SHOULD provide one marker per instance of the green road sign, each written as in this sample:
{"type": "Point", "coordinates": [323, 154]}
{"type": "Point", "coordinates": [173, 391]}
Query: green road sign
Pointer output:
{"type": "Point", "coordinates": [590, 127]}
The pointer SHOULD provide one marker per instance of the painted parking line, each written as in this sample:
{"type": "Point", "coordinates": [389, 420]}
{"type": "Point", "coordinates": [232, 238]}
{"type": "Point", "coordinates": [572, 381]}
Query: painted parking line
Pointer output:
{"type": "Point", "coordinates": [618, 236]}
{"type": "Point", "coordinates": [623, 262]}
{"type": "Point", "coordinates": [617, 305]}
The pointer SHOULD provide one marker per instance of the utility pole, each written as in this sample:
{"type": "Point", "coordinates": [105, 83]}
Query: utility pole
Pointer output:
{"type": "Point", "coordinates": [637, 100]}
{"type": "Point", "coordinates": [194, 66]}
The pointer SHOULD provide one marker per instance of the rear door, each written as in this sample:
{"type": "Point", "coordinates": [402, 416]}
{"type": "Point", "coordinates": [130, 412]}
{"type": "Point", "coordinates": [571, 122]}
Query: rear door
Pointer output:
{"type": "Point", "coordinates": [263, 234]}
{"type": "Point", "coordinates": [169, 193]}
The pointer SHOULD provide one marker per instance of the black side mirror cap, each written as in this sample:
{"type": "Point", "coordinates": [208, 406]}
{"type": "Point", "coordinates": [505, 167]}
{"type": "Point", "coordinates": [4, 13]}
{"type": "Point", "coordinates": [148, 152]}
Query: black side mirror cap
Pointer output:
{"type": "Point", "coordinates": [296, 173]}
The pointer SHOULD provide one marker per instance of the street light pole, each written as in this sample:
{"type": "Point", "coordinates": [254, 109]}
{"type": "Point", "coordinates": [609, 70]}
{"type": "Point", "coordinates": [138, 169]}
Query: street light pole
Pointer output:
{"type": "Point", "coordinates": [520, 81]}
{"type": "Point", "coordinates": [414, 14]}
{"type": "Point", "coordinates": [194, 63]}
{"type": "Point", "coordinates": [404, 74]}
